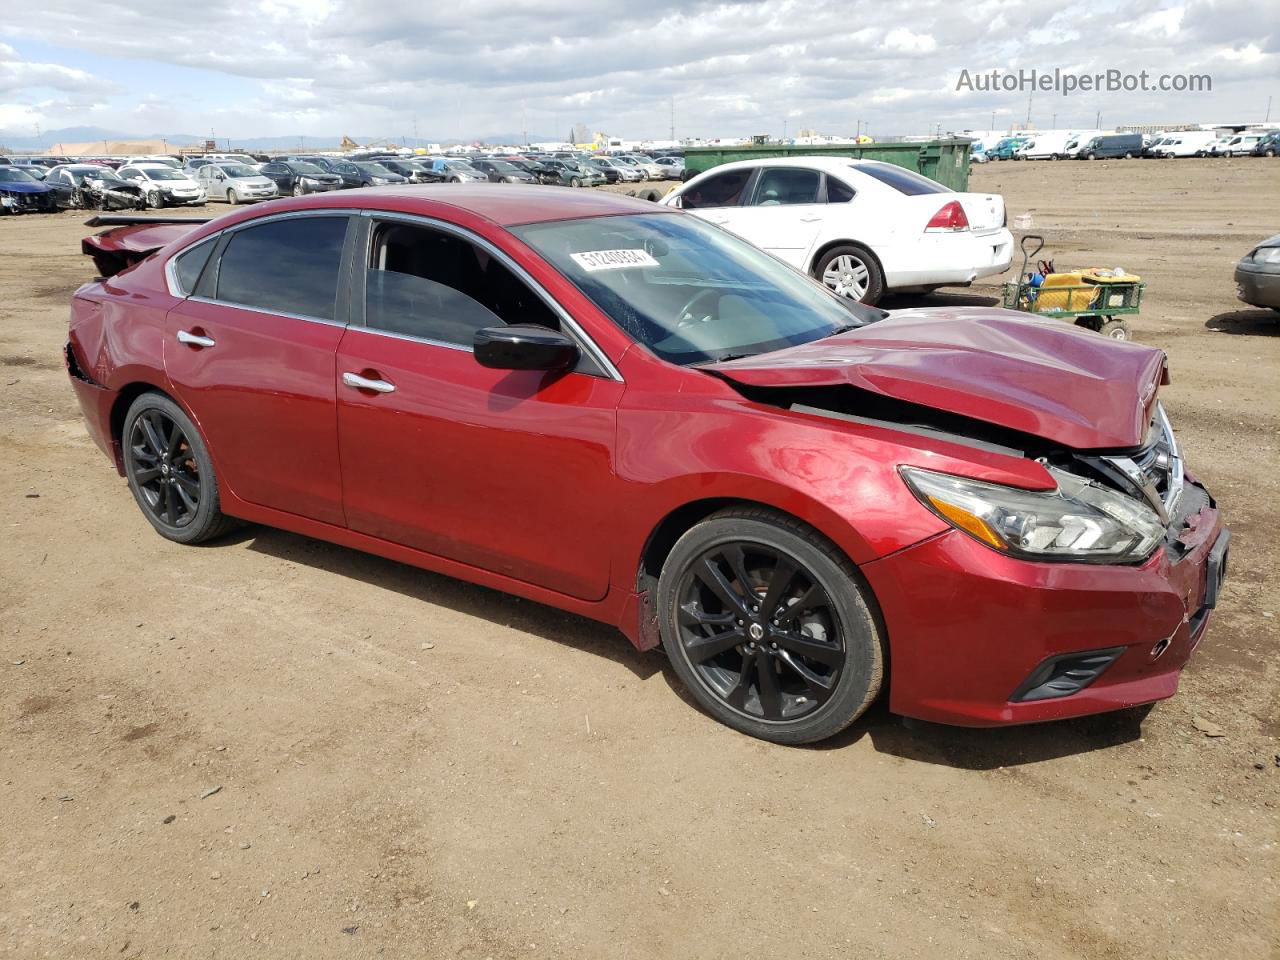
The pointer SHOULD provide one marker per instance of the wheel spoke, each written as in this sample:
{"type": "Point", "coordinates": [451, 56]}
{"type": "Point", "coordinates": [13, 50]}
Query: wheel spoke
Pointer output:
{"type": "Point", "coordinates": [807, 600]}
{"type": "Point", "coordinates": [170, 504]}
{"type": "Point", "coordinates": [708, 647]}
{"type": "Point", "coordinates": [190, 484]}
{"type": "Point", "coordinates": [819, 687]}
{"type": "Point", "coordinates": [176, 440]}
{"type": "Point", "coordinates": [737, 697]}
{"type": "Point", "coordinates": [692, 615]}
{"type": "Point", "coordinates": [802, 646]}
{"type": "Point", "coordinates": [783, 575]}
{"type": "Point", "coordinates": [738, 564]}
{"type": "Point", "coordinates": [145, 476]}
{"type": "Point", "coordinates": [709, 574]}
{"type": "Point", "coordinates": [767, 687]}
{"type": "Point", "coordinates": [150, 436]}
{"type": "Point", "coordinates": [187, 502]}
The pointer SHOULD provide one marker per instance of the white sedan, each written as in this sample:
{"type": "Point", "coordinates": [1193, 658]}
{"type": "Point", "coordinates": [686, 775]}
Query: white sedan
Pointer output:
{"type": "Point", "coordinates": [862, 227]}
{"type": "Point", "coordinates": [162, 185]}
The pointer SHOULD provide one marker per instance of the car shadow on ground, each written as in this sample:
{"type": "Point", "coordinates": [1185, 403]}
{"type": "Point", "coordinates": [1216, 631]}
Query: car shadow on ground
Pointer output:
{"type": "Point", "coordinates": [958, 747]}
{"type": "Point", "coordinates": [1258, 323]}
{"type": "Point", "coordinates": [939, 298]}
{"type": "Point", "coordinates": [526, 616]}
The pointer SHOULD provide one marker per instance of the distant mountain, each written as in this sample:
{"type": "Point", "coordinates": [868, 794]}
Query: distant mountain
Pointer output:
{"type": "Point", "coordinates": [13, 141]}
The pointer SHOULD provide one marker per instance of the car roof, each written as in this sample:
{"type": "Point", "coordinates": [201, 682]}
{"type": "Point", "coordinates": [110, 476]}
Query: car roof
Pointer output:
{"type": "Point", "coordinates": [504, 204]}
{"type": "Point", "coordinates": [841, 165]}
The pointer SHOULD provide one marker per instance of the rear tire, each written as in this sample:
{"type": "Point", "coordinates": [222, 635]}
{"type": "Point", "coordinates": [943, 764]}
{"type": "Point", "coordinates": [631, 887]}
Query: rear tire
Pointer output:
{"type": "Point", "coordinates": [170, 472]}
{"type": "Point", "coordinates": [1091, 156]}
{"type": "Point", "coordinates": [231, 198]}
{"type": "Point", "coordinates": [1115, 330]}
{"type": "Point", "coordinates": [851, 271]}
{"type": "Point", "coordinates": [769, 627]}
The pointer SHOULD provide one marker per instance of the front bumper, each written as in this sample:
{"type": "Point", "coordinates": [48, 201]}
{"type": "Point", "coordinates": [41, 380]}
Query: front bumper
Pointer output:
{"type": "Point", "coordinates": [1257, 286]}
{"type": "Point", "coordinates": [968, 626]}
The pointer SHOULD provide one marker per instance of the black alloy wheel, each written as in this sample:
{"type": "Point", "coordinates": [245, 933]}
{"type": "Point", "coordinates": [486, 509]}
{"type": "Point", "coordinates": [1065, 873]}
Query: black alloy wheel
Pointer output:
{"type": "Point", "coordinates": [765, 621]}
{"type": "Point", "coordinates": [759, 632]}
{"type": "Point", "coordinates": [170, 472]}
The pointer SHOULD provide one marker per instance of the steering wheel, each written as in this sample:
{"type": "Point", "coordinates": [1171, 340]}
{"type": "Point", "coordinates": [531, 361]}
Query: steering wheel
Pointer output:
{"type": "Point", "coordinates": [686, 316]}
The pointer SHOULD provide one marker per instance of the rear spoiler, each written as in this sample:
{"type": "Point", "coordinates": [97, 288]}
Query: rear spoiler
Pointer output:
{"type": "Point", "coordinates": [130, 239]}
{"type": "Point", "coordinates": [125, 220]}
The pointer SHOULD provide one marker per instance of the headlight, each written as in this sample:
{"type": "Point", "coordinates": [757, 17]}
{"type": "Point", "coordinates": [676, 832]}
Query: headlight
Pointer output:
{"type": "Point", "coordinates": [378, 180]}
{"type": "Point", "coordinates": [1266, 255]}
{"type": "Point", "coordinates": [1080, 520]}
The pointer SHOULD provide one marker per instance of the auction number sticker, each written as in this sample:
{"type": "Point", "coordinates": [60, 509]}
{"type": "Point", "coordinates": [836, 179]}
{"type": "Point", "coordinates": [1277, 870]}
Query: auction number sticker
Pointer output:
{"type": "Point", "coordinates": [613, 259]}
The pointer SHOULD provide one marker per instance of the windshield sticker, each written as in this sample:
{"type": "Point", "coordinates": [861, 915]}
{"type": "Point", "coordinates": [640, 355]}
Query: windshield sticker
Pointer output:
{"type": "Point", "coordinates": [613, 259]}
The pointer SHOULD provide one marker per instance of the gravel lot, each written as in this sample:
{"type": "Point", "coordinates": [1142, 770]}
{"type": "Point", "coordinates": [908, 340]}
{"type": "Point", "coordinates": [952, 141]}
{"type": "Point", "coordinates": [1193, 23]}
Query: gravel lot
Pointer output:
{"type": "Point", "coordinates": [410, 766]}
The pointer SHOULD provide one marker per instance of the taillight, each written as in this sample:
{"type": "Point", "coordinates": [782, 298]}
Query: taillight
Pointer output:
{"type": "Point", "coordinates": [949, 218]}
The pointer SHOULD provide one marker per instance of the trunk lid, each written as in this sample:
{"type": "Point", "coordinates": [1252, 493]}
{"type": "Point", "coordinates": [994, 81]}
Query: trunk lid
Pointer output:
{"type": "Point", "coordinates": [131, 239]}
{"type": "Point", "coordinates": [985, 211]}
{"type": "Point", "coordinates": [1036, 376]}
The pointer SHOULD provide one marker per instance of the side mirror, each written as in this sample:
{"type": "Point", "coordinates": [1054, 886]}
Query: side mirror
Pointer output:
{"type": "Point", "coordinates": [678, 203]}
{"type": "Point", "coordinates": [221, 176]}
{"type": "Point", "coordinates": [524, 346]}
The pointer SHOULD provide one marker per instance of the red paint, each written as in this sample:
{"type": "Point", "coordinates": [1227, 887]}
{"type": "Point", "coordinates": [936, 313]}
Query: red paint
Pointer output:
{"type": "Point", "coordinates": [550, 486]}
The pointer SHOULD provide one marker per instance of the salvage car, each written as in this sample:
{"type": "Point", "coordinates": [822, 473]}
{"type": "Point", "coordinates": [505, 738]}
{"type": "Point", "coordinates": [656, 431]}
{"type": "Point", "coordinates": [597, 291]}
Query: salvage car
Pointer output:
{"type": "Point", "coordinates": [500, 171]}
{"type": "Point", "coordinates": [299, 177]}
{"type": "Point", "coordinates": [614, 408]}
{"type": "Point", "coordinates": [1258, 275]}
{"type": "Point", "coordinates": [162, 185]}
{"type": "Point", "coordinates": [449, 170]}
{"type": "Point", "coordinates": [351, 175]}
{"type": "Point", "coordinates": [234, 183]}
{"type": "Point", "coordinates": [93, 186]}
{"type": "Point", "coordinates": [862, 227]}
{"type": "Point", "coordinates": [410, 170]}
{"type": "Point", "coordinates": [616, 172]}
{"type": "Point", "coordinates": [377, 174]}
{"type": "Point", "coordinates": [22, 193]}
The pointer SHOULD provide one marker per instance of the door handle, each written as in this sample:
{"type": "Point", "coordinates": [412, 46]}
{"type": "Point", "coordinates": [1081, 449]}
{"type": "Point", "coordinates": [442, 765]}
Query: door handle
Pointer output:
{"type": "Point", "coordinates": [195, 339]}
{"type": "Point", "coordinates": [357, 382]}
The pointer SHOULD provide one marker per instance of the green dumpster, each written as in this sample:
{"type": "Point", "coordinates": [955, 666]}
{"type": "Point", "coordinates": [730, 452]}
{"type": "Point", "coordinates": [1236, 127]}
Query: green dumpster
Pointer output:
{"type": "Point", "coordinates": [946, 161]}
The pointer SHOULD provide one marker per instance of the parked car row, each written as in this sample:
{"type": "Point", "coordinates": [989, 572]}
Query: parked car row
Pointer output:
{"type": "Point", "coordinates": [1101, 145]}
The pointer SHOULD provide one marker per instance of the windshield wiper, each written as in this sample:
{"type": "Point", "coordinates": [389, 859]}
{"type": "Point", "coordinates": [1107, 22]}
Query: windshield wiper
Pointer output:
{"type": "Point", "coordinates": [733, 356]}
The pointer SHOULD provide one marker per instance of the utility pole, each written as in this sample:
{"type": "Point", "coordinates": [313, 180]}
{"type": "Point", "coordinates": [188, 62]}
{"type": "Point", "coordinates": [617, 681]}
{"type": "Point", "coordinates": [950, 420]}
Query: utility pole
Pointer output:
{"type": "Point", "coordinates": [1097, 121]}
{"type": "Point", "coordinates": [1029, 96]}
{"type": "Point", "coordinates": [992, 128]}
{"type": "Point", "coordinates": [1055, 122]}
{"type": "Point", "coordinates": [857, 131]}
{"type": "Point", "coordinates": [1267, 119]}
{"type": "Point", "coordinates": [784, 128]}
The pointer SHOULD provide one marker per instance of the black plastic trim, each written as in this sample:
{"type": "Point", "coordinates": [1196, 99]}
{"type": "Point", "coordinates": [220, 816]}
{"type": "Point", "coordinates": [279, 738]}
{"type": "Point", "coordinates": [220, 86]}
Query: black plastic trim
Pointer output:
{"type": "Point", "coordinates": [1051, 670]}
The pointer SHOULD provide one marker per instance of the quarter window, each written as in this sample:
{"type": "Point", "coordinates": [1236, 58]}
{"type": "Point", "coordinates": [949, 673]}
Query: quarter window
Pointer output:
{"type": "Point", "coordinates": [437, 286]}
{"type": "Point", "coordinates": [189, 264]}
{"type": "Point", "coordinates": [838, 191]}
{"type": "Point", "coordinates": [787, 185]}
{"type": "Point", "coordinates": [284, 266]}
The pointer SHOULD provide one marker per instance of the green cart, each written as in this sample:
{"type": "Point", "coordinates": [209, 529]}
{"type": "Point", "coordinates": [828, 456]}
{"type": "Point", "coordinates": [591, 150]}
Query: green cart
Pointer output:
{"type": "Point", "coordinates": [1099, 300]}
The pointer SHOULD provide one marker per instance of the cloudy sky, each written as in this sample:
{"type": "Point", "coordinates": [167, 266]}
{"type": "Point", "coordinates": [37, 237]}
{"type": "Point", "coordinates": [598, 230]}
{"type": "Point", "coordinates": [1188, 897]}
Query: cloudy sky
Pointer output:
{"type": "Point", "coordinates": [462, 69]}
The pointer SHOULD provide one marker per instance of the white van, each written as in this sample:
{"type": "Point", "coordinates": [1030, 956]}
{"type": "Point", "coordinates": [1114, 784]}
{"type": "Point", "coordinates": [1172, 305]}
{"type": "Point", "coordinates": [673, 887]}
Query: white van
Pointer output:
{"type": "Point", "coordinates": [1239, 146]}
{"type": "Point", "coordinates": [1190, 143]}
{"type": "Point", "coordinates": [1045, 146]}
{"type": "Point", "coordinates": [1071, 149]}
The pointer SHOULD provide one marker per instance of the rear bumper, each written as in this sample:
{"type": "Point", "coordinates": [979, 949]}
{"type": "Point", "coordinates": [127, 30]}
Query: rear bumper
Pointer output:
{"type": "Point", "coordinates": [96, 403]}
{"type": "Point", "coordinates": [1257, 287]}
{"type": "Point", "coordinates": [944, 258]}
{"type": "Point", "coordinates": [968, 627]}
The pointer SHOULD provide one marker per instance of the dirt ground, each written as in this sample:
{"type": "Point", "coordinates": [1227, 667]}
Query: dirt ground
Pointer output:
{"type": "Point", "coordinates": [409, 766]}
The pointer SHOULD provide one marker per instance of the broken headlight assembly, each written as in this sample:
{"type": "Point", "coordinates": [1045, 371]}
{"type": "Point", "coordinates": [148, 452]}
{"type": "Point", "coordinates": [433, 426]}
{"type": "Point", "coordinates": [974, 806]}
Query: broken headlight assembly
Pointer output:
{"type": "Point", "coordinates": [1079, 521]}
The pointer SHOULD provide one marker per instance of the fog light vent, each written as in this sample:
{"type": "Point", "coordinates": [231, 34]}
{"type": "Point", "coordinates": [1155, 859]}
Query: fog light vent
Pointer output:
{"type": "Point", "coordinates": [1065, 674]}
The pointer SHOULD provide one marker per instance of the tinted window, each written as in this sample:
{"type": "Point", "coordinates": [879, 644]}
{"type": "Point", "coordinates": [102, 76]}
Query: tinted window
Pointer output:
{"type": "Point", "coordinates": [286, 266]}
{"type": "Point", "coordinates": [189, 264]}
{"type": "Point", "coordinates": [784, 185]}
{"type": "Point", "coordinates": [437, 286]}
{"type": "Point", "coordinates": [838, 191]}
{"type": "Point", "coordinates": [722, 190]}
{"type": "Point", "coordinates": [901, 179]}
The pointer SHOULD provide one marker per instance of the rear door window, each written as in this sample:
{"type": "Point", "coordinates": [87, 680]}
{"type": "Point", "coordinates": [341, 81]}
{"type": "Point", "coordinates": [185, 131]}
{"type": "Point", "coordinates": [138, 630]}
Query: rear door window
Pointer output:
{"type": "Point", "coordinates": [284, 266]}
{"type": "Point", "coordinates": [189, 264]}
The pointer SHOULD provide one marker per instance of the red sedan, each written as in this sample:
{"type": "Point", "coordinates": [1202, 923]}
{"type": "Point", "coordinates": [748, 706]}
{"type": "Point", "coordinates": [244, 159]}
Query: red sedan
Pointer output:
{"type": "Point", "coordinates": [616, 409]}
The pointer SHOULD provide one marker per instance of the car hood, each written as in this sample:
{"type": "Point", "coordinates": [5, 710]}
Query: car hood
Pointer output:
{"type": "Point", "coordinates": [1036, 376]}
{"type": "Point", "coordinates": [17, 186]}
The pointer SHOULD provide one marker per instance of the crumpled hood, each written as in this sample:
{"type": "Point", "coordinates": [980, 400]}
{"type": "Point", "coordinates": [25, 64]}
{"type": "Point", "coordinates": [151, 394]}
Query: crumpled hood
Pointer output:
{"type": "Point", "coordinates": [17, 186]}
{"type": "Point", "coordinates": [1037, 376]}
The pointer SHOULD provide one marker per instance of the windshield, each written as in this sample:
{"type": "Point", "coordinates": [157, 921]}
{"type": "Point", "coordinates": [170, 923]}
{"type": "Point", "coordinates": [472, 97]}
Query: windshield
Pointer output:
{"type": "Point", "coordinates": [341, 166]}
{"type": "Point", "coordinates": [162, 173]}
{"type": "Point", "coordinates": [238, 170]}
{"type": "Point", "coordinates": [459, 165]}
{"type": "Point", "coordinates": [502, 165]}
{"type": "Point", "coordinates": [377, 169]}
{"type": "Point", "coordinates": [302, 167]}
{"type": "Point", "coordinates": [14, 175]}
{"type": "Point", "coordinates": [690, 292]}
{"type": "Point", "coordinates": [94, 173]}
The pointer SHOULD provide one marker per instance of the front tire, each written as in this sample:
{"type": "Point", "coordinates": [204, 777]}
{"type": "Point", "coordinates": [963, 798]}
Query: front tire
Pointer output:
{"type": "Point", "coordinates": [575, 182]}
{"type": "Point", "coordinates": [768, 625]}
{"type": "Point", "coordinates": [155, 199]}
{"type": "Point", "coordinates": [1115, 330]}
{"type": "Point", "coordinates": [297, 190]}
{"type": "Point", "coordinates": [231, 198]}
{"type": "Point", "coordinates": [170, 472]}
{"type": "Point", "coordinates": [851, 271]}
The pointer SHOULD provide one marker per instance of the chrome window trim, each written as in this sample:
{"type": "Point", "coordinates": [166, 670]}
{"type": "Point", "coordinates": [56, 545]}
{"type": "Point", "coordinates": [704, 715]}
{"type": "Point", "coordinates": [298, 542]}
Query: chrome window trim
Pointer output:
{"type": "Point", "coordinates": [412, 339]}
{"type": "Point", "coordinates": [269, 313]}
{"type": "Point", "coordinates": [171, 266]}
{"type": "Point", "coordinates": [602, 360]}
